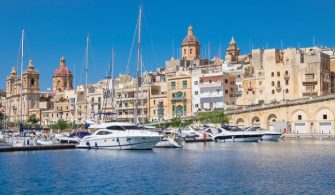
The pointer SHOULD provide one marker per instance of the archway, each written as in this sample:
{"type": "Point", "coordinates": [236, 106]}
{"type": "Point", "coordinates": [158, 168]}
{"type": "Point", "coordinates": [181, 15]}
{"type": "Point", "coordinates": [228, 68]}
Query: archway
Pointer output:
{"type": "Point", "coordinates": [324, 121]}
{"type": "Point", "coordinates": [299, 122]}
{"type": "Point", "coordinates": [272, 118]}
{"type": "Point", "coordinates": [240, 123]}
{"type": "Point", "coordinates": [255, 121]}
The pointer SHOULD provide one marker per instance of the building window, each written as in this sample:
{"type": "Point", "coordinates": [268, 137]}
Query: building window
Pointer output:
{"type": "Point", "coordinates": [273, 91]}
{"type": "Point", "coordinates": [324, 117]}
{"type": "Point", "coordinates": [299, 117]}
{"type": "Point", "coordinates": [260, 83]}
{"type": "Point", "coordinates": [184, 84]}
{"type": "Point", "coordinates": [286, 82]}
{"type": "Point", "coordinates": [217, 91]}
{"type": "Point", "coordinates": [191, 51]}
{"type": "Point", "coordinates": [210, 81]}
{"type": "Point", "coordinates": [154, 111]}
{"type": "Point", "coordinates": [195, 82]}
{"type": "Point", "coordinates": [226, 81]}
{"type": "Point", "coordinates": [201, 81]}
{"type": "Point", "coordinates": [272, 74]}
{"type": "Point", "coordinates": [253, 92]}
{"type": "Point", "coordinates": [196, 93]}
{"type": "Point", "coordinates": [154, 102]}
{"type": "Point", "coordinates": [185, 51]}
{"type": "Point", "coordinates": [92, 99]}
{"type": "Point", "coordinates": [99, 99]}
{"type": "Point", "coordinates": [278, 74]}
{"type": "Point", "coordinates": [173, 85]}
{"type": "Point", "coordinates": [273, 83]}
{"type": "Point", "coordinates": [286, 90]}
{"type": "Point", "coordinates": [278, 84]}
{"type": "Point", "coordinates": [99, 107]}
{"type": "Point", "coordinates": [226, 91]}
{"type": "Point", "coordinates": [196, 105]}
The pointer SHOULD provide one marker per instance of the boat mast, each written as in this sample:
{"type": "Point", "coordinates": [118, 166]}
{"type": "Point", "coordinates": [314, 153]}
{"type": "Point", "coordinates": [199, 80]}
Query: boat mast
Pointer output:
{"type": "Point", "coordinates": [86, 70]}
{"type": "Point", "coordinates": [112, 80]}
{"type": "Point", "coordinates": [138, 82]}
{"type": "Point", "coordinates": [22, 46]}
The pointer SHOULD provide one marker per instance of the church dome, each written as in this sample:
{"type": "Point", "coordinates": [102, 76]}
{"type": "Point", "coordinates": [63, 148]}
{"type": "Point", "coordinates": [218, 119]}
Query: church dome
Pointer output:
{"type": "Point", "coordinates": [190, 38]}
{"type": "Point", "coordinates": [62, 70]}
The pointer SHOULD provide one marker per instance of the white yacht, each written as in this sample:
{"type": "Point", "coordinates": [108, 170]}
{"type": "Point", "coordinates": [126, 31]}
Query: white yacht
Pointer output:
{"type": "Point", "coordinates": [120, 136]}
{"type": "Point", "coordinates": [267, 135]}
{"type": "Point", "coordinates": [234, 134]}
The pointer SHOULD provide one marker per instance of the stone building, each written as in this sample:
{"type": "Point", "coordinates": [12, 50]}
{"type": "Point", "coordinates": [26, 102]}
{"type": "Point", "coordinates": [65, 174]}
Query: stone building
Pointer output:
{"type": "Point", "coordinates": [212, 88]}
{"type": "Point", "coordinates": [30, 93]}
{"type": "Point", "coordinates": [277, 75]}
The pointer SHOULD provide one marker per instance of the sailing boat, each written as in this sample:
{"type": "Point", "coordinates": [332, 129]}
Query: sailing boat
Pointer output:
{"type": "Point", "coordinates": [123, 135]}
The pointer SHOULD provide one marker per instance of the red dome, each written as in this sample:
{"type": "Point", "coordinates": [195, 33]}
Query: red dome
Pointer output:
{"type": "Point", "coordinates": [190, 38]}
{"type": "Point", "coordinates": [62, 70]}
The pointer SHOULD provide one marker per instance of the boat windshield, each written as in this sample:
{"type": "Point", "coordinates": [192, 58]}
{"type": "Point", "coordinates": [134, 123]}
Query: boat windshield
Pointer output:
{"type": "Point", "coordinates": [122, 128]}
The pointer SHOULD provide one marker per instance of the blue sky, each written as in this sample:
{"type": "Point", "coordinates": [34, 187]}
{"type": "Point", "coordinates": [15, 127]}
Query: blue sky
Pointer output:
{"type": "Point", "coordinates": [58, 28]}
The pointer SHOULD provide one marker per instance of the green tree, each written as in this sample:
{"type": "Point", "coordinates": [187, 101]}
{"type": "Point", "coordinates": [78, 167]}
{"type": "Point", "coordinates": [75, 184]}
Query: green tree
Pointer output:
{"type": "Point", "coordinates": [32, 119]}
{"type": "Point", "coordinates": [215, 117]}
{"type": "Point", "coordinates": [61, 125]}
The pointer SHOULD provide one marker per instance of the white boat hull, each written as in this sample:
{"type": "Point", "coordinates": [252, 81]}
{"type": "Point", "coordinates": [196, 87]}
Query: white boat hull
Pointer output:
{"type": "Point", "coordinates": [121, 143]}
{"type": "Point", "coordinates": [44, 142]}
{"type": "Point", "coordinates": [253, 138]}
{"type": "Point", "coordinates": [170, 143]}
{"type": "Point", "coordinates": [271, 137]}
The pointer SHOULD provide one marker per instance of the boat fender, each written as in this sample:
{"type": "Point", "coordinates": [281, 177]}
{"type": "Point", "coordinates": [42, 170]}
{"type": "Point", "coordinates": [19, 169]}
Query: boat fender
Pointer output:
{"type": "Point", "coordinates": [128, 139]}
{"type": "Point", "coordinates": [88, 144]}
{"type": "Point", "coordinates": [96, 145]}
{"type": "Point", "coordinates": [117, 139]}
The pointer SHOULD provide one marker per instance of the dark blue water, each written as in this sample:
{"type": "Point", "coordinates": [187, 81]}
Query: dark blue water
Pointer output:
{"type": "Point", "coordinates": [215, 168]}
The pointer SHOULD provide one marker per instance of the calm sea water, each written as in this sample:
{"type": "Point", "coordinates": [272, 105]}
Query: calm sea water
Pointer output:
{"type": "Point", "coordinates": [214, 168]}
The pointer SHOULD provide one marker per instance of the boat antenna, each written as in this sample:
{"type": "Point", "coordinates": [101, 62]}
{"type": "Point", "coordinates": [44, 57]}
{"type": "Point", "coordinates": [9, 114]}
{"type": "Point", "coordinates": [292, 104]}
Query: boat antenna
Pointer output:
{"type": "Point", "coordinates": [22, 52]}
{"type": "Point", "coordinates": [138, 82]}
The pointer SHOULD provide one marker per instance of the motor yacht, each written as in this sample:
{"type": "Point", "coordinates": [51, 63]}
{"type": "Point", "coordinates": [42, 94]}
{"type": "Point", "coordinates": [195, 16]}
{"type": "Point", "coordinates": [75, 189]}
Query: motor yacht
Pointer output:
{"type": "Point", "coordinates": [120, 136]}
{"type": "Point", "coordinates": [267, 135]}
{"type": "Point", "coordinates": [234, 134]}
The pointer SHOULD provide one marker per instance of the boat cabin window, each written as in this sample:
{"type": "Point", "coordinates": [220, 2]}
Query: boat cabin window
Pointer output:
{"type": "Point", "coordinates": [114, 127]}
{"type": "Point", "coordinates": [104, 133]}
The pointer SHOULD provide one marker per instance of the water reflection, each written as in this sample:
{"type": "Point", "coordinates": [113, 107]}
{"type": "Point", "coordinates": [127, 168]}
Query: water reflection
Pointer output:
{"type": "Point", "coordinates": [215, 168]}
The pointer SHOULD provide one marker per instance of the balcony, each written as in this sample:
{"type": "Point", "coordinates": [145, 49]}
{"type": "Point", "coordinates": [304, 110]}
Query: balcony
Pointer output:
{"type": "Point", "coordinates": [213, 84]}
{"type": "Point", "coordinates": [309, 93]}
{"type": "Point", "coordinates": [178, 99]}
{"type": "Point", "coordinates": [309, 82]}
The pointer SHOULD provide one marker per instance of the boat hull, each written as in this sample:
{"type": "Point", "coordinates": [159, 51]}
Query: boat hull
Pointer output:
{"type": "Point", "coordinates": [170, 143]}
{"type": "Point", "coordinates": [238, 138]}
{"type": "Point", "coordinates": [271, 137]}
{"type": "Point", "coordinates": [121, 143]}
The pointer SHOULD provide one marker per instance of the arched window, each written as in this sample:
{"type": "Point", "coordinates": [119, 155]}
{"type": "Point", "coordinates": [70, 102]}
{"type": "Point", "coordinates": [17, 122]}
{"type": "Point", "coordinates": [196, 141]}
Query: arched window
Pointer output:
{"type": "Point", "coordinates": [32, 82]}
{"type": "Point", "coordinates": [273, 83]}
{"type": "Point", "coordinates": [185, 51]}
{"type": "Point", "coordinates": [191, 51]}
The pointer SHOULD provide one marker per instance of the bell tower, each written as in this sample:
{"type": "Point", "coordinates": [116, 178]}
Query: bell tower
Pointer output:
{"type": "Point", "coordinates": [31, 79]}
{"type": "Point", "coordinates": [232, 51]}
{"type": "Point", "coordinates": [190, 48]}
